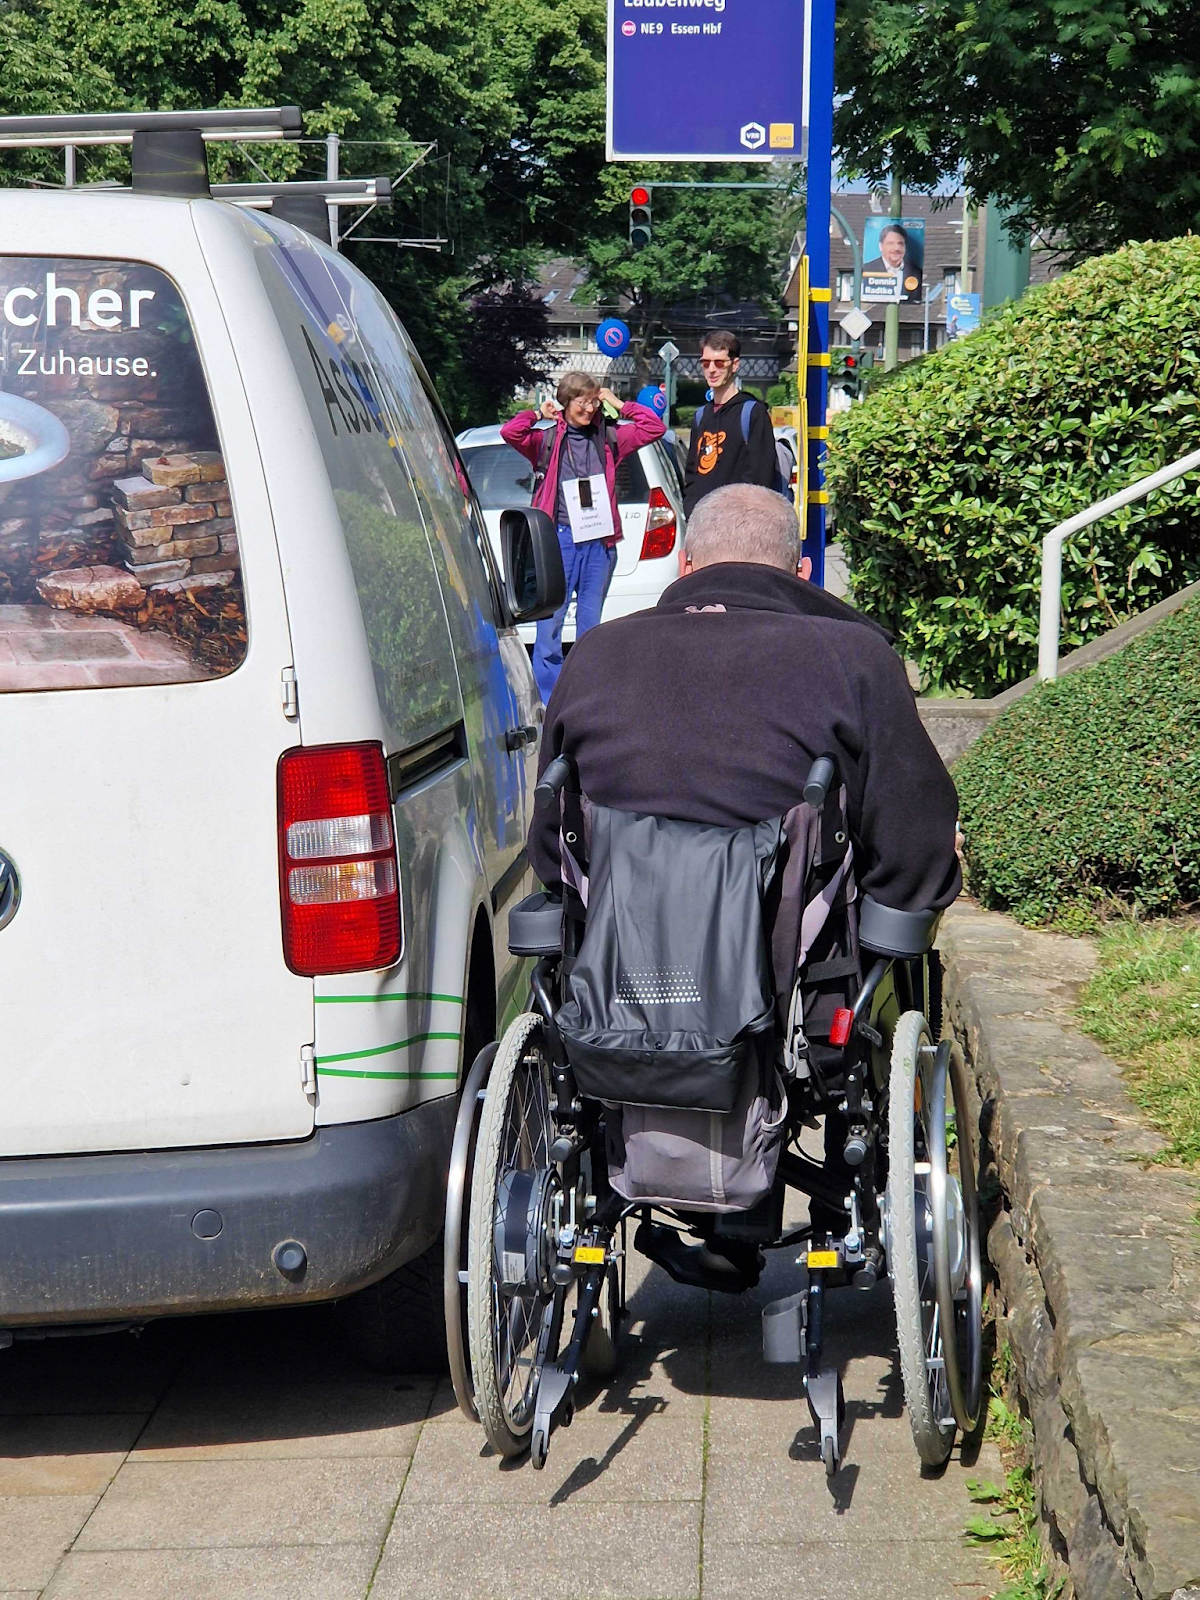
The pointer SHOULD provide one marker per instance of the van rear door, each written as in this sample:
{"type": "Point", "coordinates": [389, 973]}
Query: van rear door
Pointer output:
{"type": "Point", "coordinates": [144, 1000]}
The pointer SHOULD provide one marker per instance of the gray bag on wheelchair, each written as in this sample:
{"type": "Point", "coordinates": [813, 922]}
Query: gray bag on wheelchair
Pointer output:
{"type": "Point", "coordinates": [701, 1160]}
{"type": "Point", "coordinates": [670, 1000]}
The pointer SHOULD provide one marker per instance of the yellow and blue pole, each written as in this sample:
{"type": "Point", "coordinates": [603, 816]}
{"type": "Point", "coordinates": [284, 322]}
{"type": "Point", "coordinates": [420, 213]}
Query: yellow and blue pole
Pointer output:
{"type": "Point", "coordinates": [816, 247]}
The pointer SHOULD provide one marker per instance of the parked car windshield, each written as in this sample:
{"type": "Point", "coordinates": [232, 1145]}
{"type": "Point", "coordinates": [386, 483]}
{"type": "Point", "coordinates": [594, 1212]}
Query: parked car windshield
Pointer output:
{"type": "Point", "coordinates": [500, 475]}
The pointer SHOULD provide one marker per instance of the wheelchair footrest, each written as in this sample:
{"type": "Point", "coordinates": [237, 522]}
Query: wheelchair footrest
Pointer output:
{"type": "Point", "coordinates": [784, 1324]}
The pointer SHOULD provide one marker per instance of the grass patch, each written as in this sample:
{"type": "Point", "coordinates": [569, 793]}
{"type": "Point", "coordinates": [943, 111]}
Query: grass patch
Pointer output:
{"type": "Point", "coordinates": [1007, 1522]}
{"type": "Point", "coordinates": [1143, 1006]}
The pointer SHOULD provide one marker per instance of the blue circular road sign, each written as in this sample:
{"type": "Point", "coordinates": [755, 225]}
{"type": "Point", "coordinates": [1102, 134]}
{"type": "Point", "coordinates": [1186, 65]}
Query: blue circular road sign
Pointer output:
{"type": "Point", "coordinates": [612, 336]}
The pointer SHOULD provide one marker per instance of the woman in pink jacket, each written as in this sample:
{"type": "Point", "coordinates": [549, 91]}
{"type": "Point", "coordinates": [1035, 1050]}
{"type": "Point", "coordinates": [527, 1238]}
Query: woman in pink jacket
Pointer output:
{"type": "Point", "coordinates": [575, 482]}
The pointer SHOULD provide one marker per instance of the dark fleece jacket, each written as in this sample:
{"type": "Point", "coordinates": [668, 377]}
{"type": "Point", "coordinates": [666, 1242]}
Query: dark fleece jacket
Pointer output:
{"type": "Point", "coordinates": [713, 707]}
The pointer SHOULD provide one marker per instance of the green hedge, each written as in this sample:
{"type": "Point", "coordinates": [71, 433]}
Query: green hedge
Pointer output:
{"type": "Point", "coordinates": [1085, 793]}
{"type": "Point", "coordinates": [946, 479]}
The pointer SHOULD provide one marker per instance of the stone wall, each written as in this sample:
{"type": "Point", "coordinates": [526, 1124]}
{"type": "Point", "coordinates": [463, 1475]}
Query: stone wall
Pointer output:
{"type": "Point", "coordinates": [1098, 1260]}
{"type": "Point", "coordinates": [175, 526]}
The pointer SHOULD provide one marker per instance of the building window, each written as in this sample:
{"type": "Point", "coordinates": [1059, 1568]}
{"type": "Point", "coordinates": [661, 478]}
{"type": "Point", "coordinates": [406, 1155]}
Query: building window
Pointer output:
{"type": "Point", "coordinates": [950, 280]}
{"type": "Point", "coordinates": [845, 286]}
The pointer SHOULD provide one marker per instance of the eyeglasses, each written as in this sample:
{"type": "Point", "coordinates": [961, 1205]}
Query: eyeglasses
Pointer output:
{"type": "Point", "coordinates": [718, 362]}
{"type": "Point", "coordinates": [588, 401]}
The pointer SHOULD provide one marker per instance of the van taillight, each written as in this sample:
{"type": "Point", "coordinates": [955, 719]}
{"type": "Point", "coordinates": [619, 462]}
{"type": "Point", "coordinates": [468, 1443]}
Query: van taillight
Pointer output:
{"type": "Point", "coordinates": [659, 538]}
{"type": "Point", "coordinates": [338, 883]}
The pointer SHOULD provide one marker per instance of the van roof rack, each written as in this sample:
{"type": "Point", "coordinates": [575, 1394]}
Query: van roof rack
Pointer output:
{"type": "Point", "coordinates": [334, 191]}
{"type": "Point", "coordinates": [168, 146]}
{"type": "Point", "coordinates": [252, 125]}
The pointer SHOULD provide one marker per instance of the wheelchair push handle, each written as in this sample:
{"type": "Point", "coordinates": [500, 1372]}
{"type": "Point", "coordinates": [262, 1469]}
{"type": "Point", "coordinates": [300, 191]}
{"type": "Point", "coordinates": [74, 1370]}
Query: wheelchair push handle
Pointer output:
{"type": "Point", "coordinates": [557, 775]}
{"type": "Point", "coordinates": [821, 778]}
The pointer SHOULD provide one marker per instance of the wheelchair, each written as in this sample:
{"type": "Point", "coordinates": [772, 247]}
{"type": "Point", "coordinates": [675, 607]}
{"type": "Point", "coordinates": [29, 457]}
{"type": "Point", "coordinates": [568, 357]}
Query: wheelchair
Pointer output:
{"type": "Point", "coordinates": [535, 1228]}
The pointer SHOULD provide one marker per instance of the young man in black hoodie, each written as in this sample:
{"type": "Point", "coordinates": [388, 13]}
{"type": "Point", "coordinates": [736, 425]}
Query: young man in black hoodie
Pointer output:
{"type": "Point", "coordinates": [727, 446]}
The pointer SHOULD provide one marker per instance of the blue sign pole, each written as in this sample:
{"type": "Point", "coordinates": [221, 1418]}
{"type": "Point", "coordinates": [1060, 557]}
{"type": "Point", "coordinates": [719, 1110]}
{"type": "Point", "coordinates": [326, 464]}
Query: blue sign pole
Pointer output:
{"type": "Point", "coordinates": [816, 246]}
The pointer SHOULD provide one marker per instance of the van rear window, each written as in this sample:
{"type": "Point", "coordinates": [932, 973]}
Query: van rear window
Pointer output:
{"type": "Point", "coordinates": [119, 560]}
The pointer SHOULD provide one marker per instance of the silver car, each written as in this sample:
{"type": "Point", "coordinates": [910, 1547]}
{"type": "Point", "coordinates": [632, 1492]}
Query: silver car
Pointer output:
{"type": "Point", "coordinates": [649, 498]}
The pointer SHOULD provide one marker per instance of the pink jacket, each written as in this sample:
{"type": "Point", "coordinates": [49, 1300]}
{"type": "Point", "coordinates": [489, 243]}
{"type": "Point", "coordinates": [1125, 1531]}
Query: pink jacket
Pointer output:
{"type": "Point", "coordinates": [524, 435]}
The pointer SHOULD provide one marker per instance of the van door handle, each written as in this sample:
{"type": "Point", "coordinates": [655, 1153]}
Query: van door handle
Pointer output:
{"type": "Point", "coordinates": [518, 738]}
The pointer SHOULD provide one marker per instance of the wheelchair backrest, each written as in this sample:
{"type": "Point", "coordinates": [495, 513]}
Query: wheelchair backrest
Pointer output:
{"type": "Point", "coordinates": [693, 940]}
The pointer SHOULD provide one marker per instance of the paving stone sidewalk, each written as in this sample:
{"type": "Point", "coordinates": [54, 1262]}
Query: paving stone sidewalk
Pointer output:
{"type": "Point", "coordinates": [248, 1456]}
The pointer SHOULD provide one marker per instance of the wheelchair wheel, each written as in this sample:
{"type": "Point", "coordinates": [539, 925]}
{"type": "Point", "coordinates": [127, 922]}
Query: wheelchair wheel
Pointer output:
{"type": "Point", "coordinates": [458, 1189]}
{"type": "Point", "coordinates": [933, 1238]}
{"type": "Point", "coordinates": [514, 1308]}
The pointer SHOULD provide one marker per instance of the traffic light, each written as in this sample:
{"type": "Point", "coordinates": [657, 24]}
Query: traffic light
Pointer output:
{"type": "Point", "coordinates": [639, 218]}
{"type": "Point", "coordinates": [845, 373]}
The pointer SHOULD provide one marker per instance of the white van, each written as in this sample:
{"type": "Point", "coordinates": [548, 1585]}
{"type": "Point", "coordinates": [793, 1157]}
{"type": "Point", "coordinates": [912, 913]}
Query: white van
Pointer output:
{"type": "Point", "coordinates": [268, 744]}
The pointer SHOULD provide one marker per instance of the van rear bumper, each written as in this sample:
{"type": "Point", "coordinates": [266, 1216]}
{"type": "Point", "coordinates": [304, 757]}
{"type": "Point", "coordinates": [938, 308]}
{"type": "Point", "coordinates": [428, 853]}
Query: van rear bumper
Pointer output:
{"type": "Point", "coordinates": [100, 1238]}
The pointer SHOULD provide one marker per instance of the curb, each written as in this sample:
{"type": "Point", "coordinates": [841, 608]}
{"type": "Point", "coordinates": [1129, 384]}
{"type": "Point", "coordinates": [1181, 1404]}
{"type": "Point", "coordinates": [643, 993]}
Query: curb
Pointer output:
{"type": "Point", "coordinates": [1098, 1258]}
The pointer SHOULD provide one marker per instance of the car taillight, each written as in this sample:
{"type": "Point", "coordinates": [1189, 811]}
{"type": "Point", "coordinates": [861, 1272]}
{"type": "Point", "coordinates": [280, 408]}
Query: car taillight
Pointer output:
{"type": "Point", "coordinates": [659, 538]}
{"type": "Point", "coordinates": [338, 883]}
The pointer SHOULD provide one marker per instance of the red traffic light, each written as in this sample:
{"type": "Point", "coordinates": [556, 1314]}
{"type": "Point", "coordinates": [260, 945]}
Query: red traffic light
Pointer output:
{"type": "Point", "coordinates": [851, 361]}
{"type": "Point", "coordinates": [639, 197]}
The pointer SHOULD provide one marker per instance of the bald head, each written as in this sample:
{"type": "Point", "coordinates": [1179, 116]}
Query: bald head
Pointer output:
{"type": "Point", "coordinates": [743, 522]}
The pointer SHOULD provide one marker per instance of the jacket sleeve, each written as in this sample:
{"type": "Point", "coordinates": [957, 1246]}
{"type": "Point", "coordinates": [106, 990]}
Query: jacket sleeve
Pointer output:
{"type": "Point", "coordinates": [909, 810]}
{"type": "Point", "coordinates": [646, 426]}
{"type": "Point", "coordinates": [760, 448]}
{"type": "Point", "coordinates": [522, 433]}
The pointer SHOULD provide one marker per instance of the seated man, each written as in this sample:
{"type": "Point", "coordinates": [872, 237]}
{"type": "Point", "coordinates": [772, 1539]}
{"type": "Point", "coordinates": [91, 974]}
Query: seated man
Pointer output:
{"type": "Point", "coordinates": [712, 708]}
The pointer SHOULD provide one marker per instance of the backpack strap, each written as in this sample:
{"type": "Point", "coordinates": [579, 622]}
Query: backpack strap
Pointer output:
{"type": "Point", "coordinates": [746, 410]}
{"type": "Point", "coordinates": [545, 450]}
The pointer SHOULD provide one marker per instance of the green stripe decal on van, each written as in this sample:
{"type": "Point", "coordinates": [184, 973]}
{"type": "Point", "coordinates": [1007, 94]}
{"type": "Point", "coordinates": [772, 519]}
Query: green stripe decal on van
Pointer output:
{"type": "Point", "coordinates": [374, 999]}
{"type": "Point", "coordinates": [387, 1049]}
{"type": "Point", "coordinates": [405, 1077]}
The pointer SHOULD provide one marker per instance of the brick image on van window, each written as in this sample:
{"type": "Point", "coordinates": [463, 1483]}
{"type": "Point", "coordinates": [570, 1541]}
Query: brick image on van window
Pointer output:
{"type": "Point", "coordinates": [119, 559]}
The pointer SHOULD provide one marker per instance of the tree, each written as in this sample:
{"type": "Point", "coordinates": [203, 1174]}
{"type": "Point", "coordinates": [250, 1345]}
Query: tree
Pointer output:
{"type": "Point", "coordinates": [507, 336]}
{"type": "Point", "coordinates": [1082, 120]}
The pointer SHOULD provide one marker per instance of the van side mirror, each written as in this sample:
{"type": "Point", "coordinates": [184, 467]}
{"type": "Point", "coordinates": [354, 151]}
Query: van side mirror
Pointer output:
{"type": "Point", "coordinates": [533, 569]}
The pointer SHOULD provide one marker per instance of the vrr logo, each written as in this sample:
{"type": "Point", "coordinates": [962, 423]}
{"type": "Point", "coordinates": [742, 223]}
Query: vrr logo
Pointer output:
{"type": "Point", "coordinates": [754, 136]}
{"type": "Point", "coordinates": [629, 29]}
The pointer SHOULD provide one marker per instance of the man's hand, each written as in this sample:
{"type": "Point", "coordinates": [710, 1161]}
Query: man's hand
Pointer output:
{"type": "Point", "coordinates": [610, 398]}
{"type": "Point", "coordinates": [551, 408]}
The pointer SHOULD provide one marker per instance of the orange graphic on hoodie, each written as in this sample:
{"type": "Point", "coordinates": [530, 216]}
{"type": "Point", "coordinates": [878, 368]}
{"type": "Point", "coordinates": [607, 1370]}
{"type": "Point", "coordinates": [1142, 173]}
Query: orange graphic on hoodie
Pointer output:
{"type": "Point", "coordinates": [708, 452]}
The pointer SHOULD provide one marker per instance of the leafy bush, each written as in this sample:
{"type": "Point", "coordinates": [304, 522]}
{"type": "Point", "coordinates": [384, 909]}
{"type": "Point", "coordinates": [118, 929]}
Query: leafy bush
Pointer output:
{"type": "Point", "coordinates": [947, 478]}
{"type": "Point", "coordinates": [1086, 791]}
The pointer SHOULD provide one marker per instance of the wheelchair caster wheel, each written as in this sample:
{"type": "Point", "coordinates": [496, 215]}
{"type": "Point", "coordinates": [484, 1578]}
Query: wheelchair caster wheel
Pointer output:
{"type": "Point", "coordinates": [539, 1448]}
{"type": "Point", "coordinates": [829, 1456]}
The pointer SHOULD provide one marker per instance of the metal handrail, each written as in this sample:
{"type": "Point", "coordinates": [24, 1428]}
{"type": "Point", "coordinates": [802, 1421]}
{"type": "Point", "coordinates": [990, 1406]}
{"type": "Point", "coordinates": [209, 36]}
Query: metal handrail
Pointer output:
{"type": "Point", "coordinates": [1052, 549]}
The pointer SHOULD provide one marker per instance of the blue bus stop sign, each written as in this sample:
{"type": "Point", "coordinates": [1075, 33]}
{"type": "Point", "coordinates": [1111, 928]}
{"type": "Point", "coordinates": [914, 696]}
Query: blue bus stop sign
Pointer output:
{"type": "Point", "coordinates": [707, 80]}
{"type": "Point", "coordinates": [612, 337]}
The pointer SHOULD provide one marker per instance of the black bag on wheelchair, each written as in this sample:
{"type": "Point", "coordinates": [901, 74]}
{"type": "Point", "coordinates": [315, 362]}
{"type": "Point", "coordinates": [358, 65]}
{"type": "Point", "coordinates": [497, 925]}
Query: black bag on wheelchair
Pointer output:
{"type": "Point", "coordinates": [684, 994]}
{"type": "Point", "coordinates": [670, 1000]}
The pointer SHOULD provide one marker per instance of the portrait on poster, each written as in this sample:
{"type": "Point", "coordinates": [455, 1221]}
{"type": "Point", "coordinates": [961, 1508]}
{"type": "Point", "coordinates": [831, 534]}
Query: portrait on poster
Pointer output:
{"type": "Point", "coordinates": [895, 247]}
